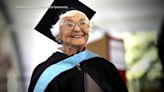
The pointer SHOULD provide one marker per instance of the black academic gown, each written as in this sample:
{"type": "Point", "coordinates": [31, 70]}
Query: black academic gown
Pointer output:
{"type": "Point", "coordinates": [100, 70]}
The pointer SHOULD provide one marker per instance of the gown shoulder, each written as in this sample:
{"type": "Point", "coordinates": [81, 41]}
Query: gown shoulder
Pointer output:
{"type": "Point", "coordinates": [54, 58]}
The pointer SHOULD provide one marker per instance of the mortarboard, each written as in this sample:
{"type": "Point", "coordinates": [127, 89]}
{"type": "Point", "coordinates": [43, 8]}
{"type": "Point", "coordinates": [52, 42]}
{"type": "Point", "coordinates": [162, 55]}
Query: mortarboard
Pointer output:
{"type": "Point", "coordinates": [57, 8]}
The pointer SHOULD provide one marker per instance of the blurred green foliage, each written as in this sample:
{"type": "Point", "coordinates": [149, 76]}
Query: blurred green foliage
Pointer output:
{"type": "Point", "coordinates": [143, 67]}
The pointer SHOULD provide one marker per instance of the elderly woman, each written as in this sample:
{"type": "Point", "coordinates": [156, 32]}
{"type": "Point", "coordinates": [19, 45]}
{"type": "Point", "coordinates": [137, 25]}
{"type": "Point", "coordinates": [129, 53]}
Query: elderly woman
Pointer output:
{"type": "Point", "coordinates": [74, 29]}
{"type": "Point", "coordinates": [74, 68]}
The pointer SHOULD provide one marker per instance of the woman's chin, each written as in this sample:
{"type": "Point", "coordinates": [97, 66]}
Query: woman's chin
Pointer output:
{"type": "Point", "coordinates": [78, 43]}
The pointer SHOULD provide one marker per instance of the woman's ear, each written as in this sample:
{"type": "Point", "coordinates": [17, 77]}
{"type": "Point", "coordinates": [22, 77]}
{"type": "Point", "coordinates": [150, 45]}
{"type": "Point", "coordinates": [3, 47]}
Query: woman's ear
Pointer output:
{"type": "Point", "coordinates": [58, 39]}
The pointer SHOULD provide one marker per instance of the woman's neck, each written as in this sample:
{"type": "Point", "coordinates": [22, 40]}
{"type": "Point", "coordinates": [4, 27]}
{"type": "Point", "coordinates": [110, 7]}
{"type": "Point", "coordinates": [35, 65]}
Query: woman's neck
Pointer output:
{"type": "Point", "coordinates": [71, 50]}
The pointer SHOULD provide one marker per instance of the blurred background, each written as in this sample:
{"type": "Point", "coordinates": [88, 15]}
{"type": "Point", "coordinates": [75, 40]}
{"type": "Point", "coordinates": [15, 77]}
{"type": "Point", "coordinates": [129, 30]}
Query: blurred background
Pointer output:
{"type": "Point", "coordinates": [126, 32]}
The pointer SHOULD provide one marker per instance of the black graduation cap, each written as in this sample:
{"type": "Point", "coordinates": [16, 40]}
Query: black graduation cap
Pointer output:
{"type": "Point", "coordinates": [57, 8]}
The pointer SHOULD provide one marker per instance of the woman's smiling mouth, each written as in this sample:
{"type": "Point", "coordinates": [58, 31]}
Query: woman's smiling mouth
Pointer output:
{"type": "Point", "coordinates": [77, 36]}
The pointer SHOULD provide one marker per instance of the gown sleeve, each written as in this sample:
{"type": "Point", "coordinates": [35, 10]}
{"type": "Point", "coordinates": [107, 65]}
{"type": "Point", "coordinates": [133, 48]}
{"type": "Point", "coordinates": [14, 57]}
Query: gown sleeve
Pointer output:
{"type": "Point", "coordinates": [106, 75]}
{"type": "Point", "coordinates": [116, 79]}
{"type": "Point", "coordinates": [35, 75]}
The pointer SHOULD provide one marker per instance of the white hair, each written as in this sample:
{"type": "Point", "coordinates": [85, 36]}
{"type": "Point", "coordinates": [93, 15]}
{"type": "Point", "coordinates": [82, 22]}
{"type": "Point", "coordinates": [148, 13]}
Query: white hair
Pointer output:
{"type": "Point", "coordinates": [55, 29]}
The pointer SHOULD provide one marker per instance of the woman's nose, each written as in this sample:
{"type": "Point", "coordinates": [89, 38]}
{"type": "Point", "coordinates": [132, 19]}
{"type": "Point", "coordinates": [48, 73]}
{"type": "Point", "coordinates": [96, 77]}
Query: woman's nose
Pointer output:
{"type": "Point", "coordinates": [77, 27]}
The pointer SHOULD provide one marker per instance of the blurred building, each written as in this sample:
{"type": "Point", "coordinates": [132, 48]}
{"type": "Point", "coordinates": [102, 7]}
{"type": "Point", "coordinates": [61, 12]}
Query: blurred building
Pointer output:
{"type": "Point", "coordinates": [11, 79]}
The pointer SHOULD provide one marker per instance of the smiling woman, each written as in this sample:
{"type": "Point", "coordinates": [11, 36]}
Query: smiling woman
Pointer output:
{"type": "Point", "coordinates": [73, 68]}
{"type": "Point", "coordinates": [74, 30]}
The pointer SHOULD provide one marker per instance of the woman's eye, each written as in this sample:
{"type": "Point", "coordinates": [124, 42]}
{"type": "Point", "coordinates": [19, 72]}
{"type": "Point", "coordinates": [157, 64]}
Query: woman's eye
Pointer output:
{"type": "Point", "coordinates": [82, 23]}
{"type": "Point", "coordinates": [69, 24]}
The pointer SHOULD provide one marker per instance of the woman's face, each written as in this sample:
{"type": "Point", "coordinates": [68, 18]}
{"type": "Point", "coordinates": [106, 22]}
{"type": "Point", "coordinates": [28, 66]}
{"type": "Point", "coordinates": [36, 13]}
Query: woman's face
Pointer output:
{"type": "Point", "coordinates": [74, 30]}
